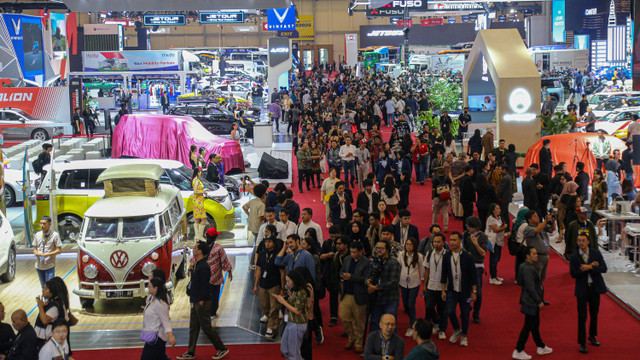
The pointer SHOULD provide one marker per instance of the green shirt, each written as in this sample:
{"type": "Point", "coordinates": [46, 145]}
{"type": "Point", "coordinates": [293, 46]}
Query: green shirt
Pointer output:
{"type": "Point", "coordinates": [298, 300]}
{"type": "Point", "coordinates": [304, 159]}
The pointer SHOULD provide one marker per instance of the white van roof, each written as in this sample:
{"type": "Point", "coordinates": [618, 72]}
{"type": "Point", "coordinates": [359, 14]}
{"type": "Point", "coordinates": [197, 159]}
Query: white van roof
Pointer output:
{"type": "Point", "coordinates": [105, 163]}
{"type": "Point", "coordinates": [128, 206]}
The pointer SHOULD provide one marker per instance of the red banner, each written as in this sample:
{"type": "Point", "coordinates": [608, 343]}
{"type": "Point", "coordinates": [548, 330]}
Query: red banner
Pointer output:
{"type": "Point", "coordinates": [404, 23]}
{"type": "Point", "coordinates": [49, 103]}
{"type": "Point", "coordinates": [432, 22]}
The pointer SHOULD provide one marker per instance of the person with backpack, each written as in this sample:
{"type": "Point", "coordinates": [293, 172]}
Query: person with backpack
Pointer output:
{"type": "Point", "coordinates": [38, 164]}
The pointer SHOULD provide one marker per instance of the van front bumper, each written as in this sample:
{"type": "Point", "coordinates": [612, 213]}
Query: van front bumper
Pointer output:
{"type": "Point", "coordinates": [113, 290]}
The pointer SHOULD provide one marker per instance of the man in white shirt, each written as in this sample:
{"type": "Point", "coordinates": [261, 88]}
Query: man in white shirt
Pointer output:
{"type": "Point", "coordinates": [46, 245]}
{"type": "Point", "coordinates": [289, 226]}
{"type": "Point", "coordinates": [57, 347]}
{"type": "Point", "coordinates": [436, 307]}
{"type": "Point", "coordinates": [307, 223]}
{"type": "Point", "coordinates": [270, 216]}
{"type": "Point", "coordinates": [347, 154]}
{"type": "Point", "coordinates": [377, 112]}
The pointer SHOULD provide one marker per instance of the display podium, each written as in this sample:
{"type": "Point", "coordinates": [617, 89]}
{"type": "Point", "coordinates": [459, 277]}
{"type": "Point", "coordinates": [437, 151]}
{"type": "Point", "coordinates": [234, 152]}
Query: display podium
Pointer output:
{"type": "Point", "coordinates": [262, 135]}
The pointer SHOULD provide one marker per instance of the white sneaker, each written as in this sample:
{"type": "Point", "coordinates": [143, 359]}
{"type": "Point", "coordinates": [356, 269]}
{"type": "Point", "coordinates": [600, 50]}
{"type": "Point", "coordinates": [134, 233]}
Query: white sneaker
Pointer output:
{"type": "Point", "coordinates": [499, 278]}
{"type": "Point", "coordinates": [544, 351]}
{"type": "Point", "coordinates": [270, 334]}
{"type": "Point", "coordinates": [442, 335]}
{"type": "Point", "coordinates": [495, 281]}
{"type": "Point", "coordinates": [435, 330]}
{"type": "Point", "coordinates": [520, 355]}
{"type": "Point", "coordinates": [463, 341]}
{"type": "Point", "coordinates": [455, 336]}
{"type": "Point", "coordinates": [408, 333]}
{"type": "Point", "coordinates": [264, 319]}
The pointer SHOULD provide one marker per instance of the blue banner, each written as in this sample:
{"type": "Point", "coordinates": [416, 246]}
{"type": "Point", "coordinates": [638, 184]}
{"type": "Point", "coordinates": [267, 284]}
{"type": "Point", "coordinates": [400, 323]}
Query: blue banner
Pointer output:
{"type": "Point", "coordinates": [26, 191]}
{"type": "Point", "coordinates": [281, 19]}
{"type": "Point", "coordinates": [26, 37]}
{"type": "Point", "coordinates": [558, 21]}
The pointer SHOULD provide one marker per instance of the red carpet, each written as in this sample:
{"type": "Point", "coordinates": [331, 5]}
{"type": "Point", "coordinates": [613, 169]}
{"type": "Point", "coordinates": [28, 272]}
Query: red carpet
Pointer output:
{"type": "Point", "coordinates": [494, 338]}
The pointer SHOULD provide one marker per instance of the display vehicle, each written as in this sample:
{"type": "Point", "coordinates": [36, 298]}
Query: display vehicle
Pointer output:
{"type": "Point", "coordinates": [13, 180]}
{"type": "Point", "coordinates": [18, 124]}
{"type": "Point", "coordinates": [215, 118]}
{"type": "Point", "coordinates": [78, 189]}
{"type": "Point", "coordinates": [7, 250]}
{"type": "Point", "coordinates": [138, 226]}
{"type": "Point", "coordinates": [616, 122]}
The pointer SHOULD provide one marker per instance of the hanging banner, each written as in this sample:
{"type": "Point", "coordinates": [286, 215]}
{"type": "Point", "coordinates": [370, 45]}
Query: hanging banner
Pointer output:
{"type": "Point", "coordinates": [21, 39]}
{"type": "Point", "coordinates": [304, 29]}
{"type": "Point", "coordinates": [404, 23]}
{"type": "Point", "coordinates": [558, 21]}
{"type": "Point", "coordinates": [59, 35]}
{"type": "Point", "coordinates": [432, 22]}
{"type": "Point", "coordinates": [26, 191]}
{"type": "Point", "coordinates": [281, 19]}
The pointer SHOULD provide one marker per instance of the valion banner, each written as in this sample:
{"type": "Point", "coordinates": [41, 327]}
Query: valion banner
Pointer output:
{"type": "Point", "coordinates": [48, 103]}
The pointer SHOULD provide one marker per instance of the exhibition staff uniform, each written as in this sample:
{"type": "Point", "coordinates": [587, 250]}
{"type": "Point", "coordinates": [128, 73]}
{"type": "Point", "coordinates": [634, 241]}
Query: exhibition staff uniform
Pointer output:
{"type": "Point", "coordinates": [589, 286]}
{"type": "Point", "coordinates": [459, 277]}
{"type": "Point", "coordinates": [24, 347]}
{"type": "Point", "coordinates": [46, 243]}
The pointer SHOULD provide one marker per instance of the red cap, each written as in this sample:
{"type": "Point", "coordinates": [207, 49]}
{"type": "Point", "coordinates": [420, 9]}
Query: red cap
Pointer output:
{"type": "Point", "coordinates": [212, 232]}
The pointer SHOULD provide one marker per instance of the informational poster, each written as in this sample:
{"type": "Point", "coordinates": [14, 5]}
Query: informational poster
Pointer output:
{"type": "Point", "coordinates": [59, 35]}
{"type": "Point", "coordinates": [157, 60]}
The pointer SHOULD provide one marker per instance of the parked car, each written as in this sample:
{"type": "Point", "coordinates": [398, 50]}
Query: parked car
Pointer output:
{"type": "Point", "coordinates": [235, 89]}
{"type": "Point", "coordinates": [215, 118]}
{"type": "Point", "coordinates": [77, 190]}
{"type": "Point", "coordinates": [13, 191]}
{"type": "Point", "coordinates": [554, 88]}
{"type": "Point", "coordinates": [613, 103]}
{"type": "Point", "coordinates": [616, 122]}
{"type": "Point", "coordinates": [7, 250]}
{"type": "Point", "coordinates": [601, 97]}
{"type": "Point", "coordinates": [18, 124]}
{"type": "Point", "coordinates": [139, 225]}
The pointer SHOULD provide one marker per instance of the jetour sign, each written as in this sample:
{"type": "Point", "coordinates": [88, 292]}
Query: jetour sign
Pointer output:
{"type": "Point", "coordinates": [520, 102]}
{"type": "Point", "coordinates": [379, 33]}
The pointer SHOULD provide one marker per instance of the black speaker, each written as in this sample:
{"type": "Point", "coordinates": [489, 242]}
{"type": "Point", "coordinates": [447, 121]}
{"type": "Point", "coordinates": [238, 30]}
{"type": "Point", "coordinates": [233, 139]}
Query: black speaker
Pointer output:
{"type": "Point", "coordinates": [636, 149]}
{"type": "Point", "coordinates": [272, 168]}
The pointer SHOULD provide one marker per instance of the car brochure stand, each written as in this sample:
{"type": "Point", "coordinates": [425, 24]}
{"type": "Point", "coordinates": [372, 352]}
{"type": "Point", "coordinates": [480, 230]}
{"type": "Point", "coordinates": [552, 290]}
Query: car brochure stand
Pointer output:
{"type": "Point", "coordinates": [499, 67]}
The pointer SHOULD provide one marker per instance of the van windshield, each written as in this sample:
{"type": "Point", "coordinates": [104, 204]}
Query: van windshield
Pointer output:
{"type": "Point", "coordinates": [102, 229]}
{"type": "Point", "coordinates": [138, 227]}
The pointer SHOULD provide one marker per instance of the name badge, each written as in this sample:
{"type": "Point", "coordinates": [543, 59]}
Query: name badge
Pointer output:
{"type": "Point", "coordinates": [456, 277]}
{"type": "Point", "coordinates": [264, 275]}
{"type": "Point", "coordinates": [286, 317]}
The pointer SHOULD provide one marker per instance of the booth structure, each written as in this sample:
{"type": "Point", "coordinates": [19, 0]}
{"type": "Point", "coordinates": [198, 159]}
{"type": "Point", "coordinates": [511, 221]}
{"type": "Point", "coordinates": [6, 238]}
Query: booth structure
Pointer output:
{"type": "Point", "coordinates": [501, 82]}
{"type": "Point", "coordinates": [280, 62]}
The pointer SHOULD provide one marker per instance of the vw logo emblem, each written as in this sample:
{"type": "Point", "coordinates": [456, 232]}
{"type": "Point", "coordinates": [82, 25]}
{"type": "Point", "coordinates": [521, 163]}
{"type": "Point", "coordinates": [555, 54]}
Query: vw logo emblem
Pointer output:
{"type": "Point", "coordinates": [119, 259]}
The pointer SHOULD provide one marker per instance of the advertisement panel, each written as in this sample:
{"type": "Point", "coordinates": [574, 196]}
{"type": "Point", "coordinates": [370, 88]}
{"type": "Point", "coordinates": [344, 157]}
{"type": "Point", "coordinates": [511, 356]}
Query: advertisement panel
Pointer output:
{"type": "Point", "coordinates": [101, 29]}
{"type": "Point", "coordinates": [58, 35]}
{"type": "Point", "coordinates": [397, 8]}
{"type": "Point", "coordinates": [26, 192]}
{"type": "Point", "coordinates": [304, 29]}
{"type": "Point", "coordinates": [558, 19]}
{"type": "Point", "coordinates": [75, 94]}
{"type": "Point", "coordinates": [172, 19]}
{"type": "Point", "coordinates": [157, 60]}
{"type": "Point", "coordinates": [351, 49]}
{"type": "Point", "coordinates": [636, 48]}
{"type": "Point", "coordinates": [279, 51]}
{"type": "Point", "coordinates": [49, 103]}
{"type": "Point", "coordinates": [25, 33]}
{"type": "Point", "coordinates": [281, 19]}
{"type": "Point", "coordinates": [221, 17]}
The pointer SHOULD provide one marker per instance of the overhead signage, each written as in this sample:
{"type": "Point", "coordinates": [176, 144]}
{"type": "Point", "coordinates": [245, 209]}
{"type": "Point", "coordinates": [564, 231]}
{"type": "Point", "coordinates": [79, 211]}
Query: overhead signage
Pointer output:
{"type": "Point", "coordinates": [502, 18]}
{"type": "Point", "coordinates": [591, 12]}
{"type": "Point", "coordinates": [404, 23]}
{"type": "Point", "coordinates": [221, 17]}
{"type": "Point", "coordinates": [123, 22]}
{"type": "Point", "coordinates": [455, 6]}
{"type": "Point", "coordinates": [174, 19]}
{"type": "Point", "coordinates": [432, 22]}
{"type": "Point", "coordinates": [558, 21]}
{"type": "Point", "coordinates": [279, 51]}
{"type": "Point", "coordinates": [25, 34]}
{"type": "Point", "coordinates": [397, 8]}
{"type": "Point", "coordinates": [303, 31]}
{"type": "Point", "coordinates": [101, 29]}
{"type": "Point", "coordinates": [451, 19]}
{"type": "Point", "coordinates": [51, 103]}
{"type": "Point", "coordinates": [281, 19]}
{"type": "Point", "coordinates": [157, 60]}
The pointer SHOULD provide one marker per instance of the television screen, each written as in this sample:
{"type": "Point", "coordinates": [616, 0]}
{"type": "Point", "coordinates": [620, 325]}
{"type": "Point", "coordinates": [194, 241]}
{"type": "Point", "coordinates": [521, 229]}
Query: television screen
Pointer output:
{"type": "Point", "coordinates": [482, 103]}
{"type": "Point", "coordinates": [33, 58]}
{"type": "Point", "coordinates": [58, 35]}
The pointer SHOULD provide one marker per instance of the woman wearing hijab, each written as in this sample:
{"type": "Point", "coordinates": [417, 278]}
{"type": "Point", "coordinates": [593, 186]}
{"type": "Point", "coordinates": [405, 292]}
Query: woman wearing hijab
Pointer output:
{"type": "Point", "coordinates": [356, 232]}
{"type": "Point", "coordinates": [613, 182]}
{"type": "Point", "coordinates": [519, 229]}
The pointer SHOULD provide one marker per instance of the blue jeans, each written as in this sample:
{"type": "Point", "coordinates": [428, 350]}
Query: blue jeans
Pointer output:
{"type": "Point", "coordinates": [494, 258]}
{"type": "Point", "coordinates": [478, 303]}
{"type": "Point", "coordinates": [46, 275]}
{"type": "Point", "coordinates": [409, 297]}
{"type": "Point", "coordinates": [379, 310]}
{"type": "Point", "coordinates": [349, 168]}
{"type": "Point", "coordinates": [454, 299]}
{"type": "Point", "coordinates": [419, 171]}
{"type": "Point", "coordinates": [292, 340]}
{"type": "Point", "coordinates": [390, 118]}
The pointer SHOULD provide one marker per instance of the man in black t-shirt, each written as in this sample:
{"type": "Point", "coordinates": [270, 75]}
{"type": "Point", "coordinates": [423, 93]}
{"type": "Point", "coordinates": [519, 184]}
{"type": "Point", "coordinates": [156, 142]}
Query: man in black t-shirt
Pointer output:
{"type": "Point", "coordinates": [584, 104]}
{"type": "Point", "coordinates": [269, 280]}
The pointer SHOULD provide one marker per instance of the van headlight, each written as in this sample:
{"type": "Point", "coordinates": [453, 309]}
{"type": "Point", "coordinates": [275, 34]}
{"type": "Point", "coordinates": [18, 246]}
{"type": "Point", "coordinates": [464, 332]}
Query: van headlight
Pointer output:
{"type": "Point", "coordinates": [90, 271]}
{"type": "Point", "coordinates": [148, 268]}
{"type": "Point", "coordinates": [219, 199]}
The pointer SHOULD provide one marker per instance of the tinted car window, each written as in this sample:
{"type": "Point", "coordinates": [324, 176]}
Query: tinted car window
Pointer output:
{"type": "Point", "coordinates": [93, 176]}
{"type": "Point", "coordinates": [74, 179]}
{"type": "Point", "coordinates": [12, 116]}
{"type": "Point", "coordinates": [180, 111]}
{"type": "Point", "coordinates": [197, 111]}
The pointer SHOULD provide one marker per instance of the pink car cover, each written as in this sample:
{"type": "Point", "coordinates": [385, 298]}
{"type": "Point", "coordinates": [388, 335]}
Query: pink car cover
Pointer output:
{"type": "Point", "coordinates": [150, 136]}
